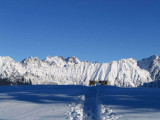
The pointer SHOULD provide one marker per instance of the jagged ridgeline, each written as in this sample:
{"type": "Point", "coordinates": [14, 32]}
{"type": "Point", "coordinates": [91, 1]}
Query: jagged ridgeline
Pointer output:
{"type": "Point", "coordinates": [152, 64]}
{"type": "Point", "coordinates": [71, 71]}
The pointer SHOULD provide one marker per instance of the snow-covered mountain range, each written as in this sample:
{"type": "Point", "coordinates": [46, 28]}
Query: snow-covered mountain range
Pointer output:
{"type": "Point", "coordinates": [58, 70]}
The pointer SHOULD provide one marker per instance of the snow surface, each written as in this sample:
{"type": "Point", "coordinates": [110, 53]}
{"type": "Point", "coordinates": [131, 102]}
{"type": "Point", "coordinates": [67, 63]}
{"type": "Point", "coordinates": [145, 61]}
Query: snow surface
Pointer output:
{"type": "Point", "coordinates": [78, 103]}
{"type": "Point", "coordinates": [72, 71]}
{"type": "Point", "coordinates": [152, 64]}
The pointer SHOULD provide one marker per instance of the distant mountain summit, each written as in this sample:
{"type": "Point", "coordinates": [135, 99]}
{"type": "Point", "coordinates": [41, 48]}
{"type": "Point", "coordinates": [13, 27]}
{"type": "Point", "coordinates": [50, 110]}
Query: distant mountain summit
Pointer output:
{"type": "Point", "coordinates": [67, 71]}
{"type": "Point", "coordinates": [152, 64]}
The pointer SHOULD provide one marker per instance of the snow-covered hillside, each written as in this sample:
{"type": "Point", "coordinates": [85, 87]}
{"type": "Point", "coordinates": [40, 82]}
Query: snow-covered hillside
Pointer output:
{"type": "Point", "coordinates": [152, 64]}
{"type": "Point", "coordinates": [61, 71]}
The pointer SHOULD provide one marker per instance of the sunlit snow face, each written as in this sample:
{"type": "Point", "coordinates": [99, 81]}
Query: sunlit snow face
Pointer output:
{"type": "Point", "coordinates": [59, 70]}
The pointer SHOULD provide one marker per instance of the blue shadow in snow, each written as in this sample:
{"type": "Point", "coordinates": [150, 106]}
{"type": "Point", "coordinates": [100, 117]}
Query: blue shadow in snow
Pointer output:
{"type": "Point", "coordinates": [44, 94]}
{"type": "Point", "coordinates": [131, 98]}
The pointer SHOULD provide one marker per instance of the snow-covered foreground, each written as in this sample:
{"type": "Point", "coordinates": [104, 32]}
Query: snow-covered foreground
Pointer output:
{"type": "Point", "coordinates": [78, 103]}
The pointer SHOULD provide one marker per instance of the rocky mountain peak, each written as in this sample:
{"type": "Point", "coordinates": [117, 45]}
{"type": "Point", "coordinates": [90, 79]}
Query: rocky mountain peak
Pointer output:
{"type": "Point", "coordinates": [151, 64]}
{"type": "Point", "coordinates": [73, 59]}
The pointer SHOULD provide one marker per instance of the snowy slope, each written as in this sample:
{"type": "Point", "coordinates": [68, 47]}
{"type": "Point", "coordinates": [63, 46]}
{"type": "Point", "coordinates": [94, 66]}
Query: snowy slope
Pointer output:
{"type": "Point", "coordinates": [58, 70]}
{"type": "Point", "coordinates": [38, 102]}
{"type": "Point", "coordinates": [152, 64]}
{"type": "Point", "coordinates": [72, 102]}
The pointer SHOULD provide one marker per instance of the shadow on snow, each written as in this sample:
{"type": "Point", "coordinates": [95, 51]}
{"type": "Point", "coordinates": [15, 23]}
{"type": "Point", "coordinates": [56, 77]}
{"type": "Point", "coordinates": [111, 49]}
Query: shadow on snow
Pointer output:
{"type": "Point", "coordinates": [44, 94]}
{"type": "Point", "coordinates": [140, 99]}
{"type": "Point", "coordinates": [129, 98]}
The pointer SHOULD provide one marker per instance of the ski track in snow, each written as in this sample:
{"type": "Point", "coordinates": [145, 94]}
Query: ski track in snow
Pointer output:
{"type": "Point", "coordinates": [91, 104]}
{"type": "Point", "coordinates": [88, 107]}
{"type": "Point", "coordinates": [107, 113]}
{"type": "Point", "coordinates": [75, 111]}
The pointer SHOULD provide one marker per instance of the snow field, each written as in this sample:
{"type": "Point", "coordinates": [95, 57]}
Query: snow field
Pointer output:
{"type": "Point", "coordinates": [71, 102]}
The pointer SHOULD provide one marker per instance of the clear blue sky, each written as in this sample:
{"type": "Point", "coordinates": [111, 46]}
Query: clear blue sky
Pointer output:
{"type": "Point", "coordinates": [92, 30]}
